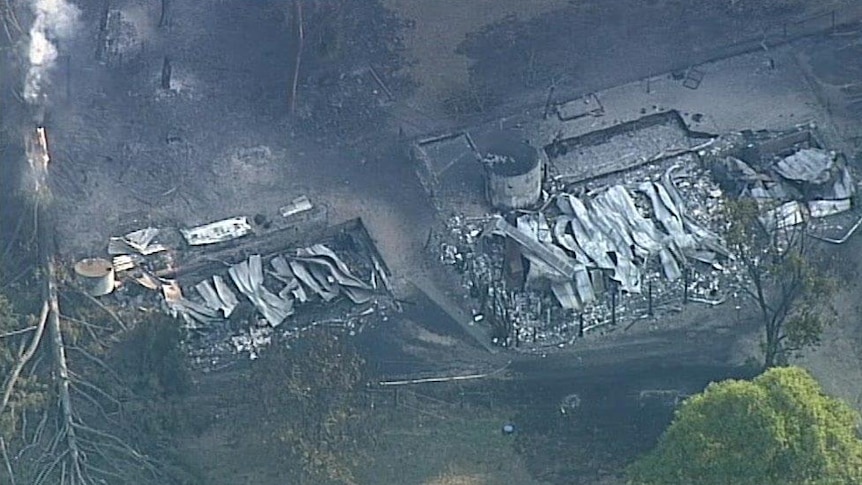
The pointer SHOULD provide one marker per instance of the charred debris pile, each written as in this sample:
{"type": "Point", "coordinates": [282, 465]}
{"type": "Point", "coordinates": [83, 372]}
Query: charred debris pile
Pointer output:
{"type": "Point", "coordinates": [234, 283]}
{"type": "Point", "coordinates": [641, 237]}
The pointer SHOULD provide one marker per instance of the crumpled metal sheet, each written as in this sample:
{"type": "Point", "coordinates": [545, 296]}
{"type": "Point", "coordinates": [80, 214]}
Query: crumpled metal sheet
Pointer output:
{"type": "Point", "coordinates": [784, 216]}
{"type": "Point", "coordinates": [588, 237]}
{"type": "Point", "coordinates": [226, 295]}
{"type": "Point", "coordinates": [206, 290]}
{"type": "Point", "coordinates": [191, 312]}
{"type": "Point", "coordinates": [826, 208]}
{"type": "Point", "coordinates": [325, 273]}
{"type": "Point", "coordinates": [644, 234]}
{"type": "Point", "coordinates": [565, 294]}
{"type": "Point", "coordinates": [812, 165]}
{"type": "Point", "coordinates": [599, 237]}
{"type": "Point", "coordinates": [843, 187]}
{"type": "Point", "coordinates": [320, 254]}
{"type": "Point", "coordinates": [217, 295]}
{"type": "Point", "coordinates": [305, 276]}
{"type": "Point", "coordinates": [667, 214]}
{"type": "Point", "coordinates": [558, 261]}
{"type": "Point", "coordinates": [248, 278]}
{"type": "Point", "coordinates": [566, 240]}
{"type": "Point", "coordinates": [139, 241]}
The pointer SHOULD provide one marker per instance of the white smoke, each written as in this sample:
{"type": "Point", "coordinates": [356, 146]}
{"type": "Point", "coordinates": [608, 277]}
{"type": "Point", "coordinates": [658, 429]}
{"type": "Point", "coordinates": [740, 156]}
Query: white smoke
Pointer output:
{"type": "Point", "coordinates": [54, 21]}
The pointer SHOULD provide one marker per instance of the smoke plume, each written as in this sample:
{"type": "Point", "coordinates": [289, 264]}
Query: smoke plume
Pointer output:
{"type": "Point", "coordinates": [54, 21]}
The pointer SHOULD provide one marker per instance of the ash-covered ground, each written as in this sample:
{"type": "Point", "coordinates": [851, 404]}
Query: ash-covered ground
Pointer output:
{"type": "Point", "coordinates": [218, 139]}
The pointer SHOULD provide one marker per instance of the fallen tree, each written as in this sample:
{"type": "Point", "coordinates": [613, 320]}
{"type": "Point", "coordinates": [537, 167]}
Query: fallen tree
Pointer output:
{"type": "Point", "coordinates": [79, 437]}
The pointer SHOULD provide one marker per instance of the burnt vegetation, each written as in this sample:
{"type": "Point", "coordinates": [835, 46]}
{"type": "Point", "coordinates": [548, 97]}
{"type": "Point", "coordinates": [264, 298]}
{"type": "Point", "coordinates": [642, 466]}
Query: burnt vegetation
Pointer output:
{"type": "Point", "coordinates": [785, 280]}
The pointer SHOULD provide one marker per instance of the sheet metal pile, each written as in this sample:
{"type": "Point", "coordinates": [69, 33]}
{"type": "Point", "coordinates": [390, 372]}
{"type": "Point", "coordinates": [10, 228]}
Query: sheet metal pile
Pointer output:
{"type": "Point", "coordinates": [274, 289]}
{"type": "Point", "coordinates": [628, 245]}
{"type": "Point", "coordinates": [602, 254]}
{"type": "Point", "coordinates": [810, 182]}
{"type": "Point", "coordinates": [236, 310]}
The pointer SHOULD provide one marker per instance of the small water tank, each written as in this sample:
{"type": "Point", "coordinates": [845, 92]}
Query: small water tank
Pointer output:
{"type": "Point", "coordinates": [96, 276]}
{"type": "Point", "coordinates": [513, 172]}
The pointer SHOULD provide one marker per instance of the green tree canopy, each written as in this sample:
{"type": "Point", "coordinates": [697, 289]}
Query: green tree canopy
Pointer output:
{"type": "Point", "coordinates": [779, 429]}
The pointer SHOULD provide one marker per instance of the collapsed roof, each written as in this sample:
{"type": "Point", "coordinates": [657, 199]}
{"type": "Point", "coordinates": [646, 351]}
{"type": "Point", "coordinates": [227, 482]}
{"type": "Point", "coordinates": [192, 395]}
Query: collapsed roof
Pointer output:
{"type": "Point", "coordinates": [608, 231]}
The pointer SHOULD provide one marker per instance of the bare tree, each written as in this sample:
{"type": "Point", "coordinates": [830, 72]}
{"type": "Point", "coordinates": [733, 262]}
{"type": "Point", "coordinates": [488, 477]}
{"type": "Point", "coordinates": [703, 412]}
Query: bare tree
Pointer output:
{"type": "Point", "coordinates": [782, 278]}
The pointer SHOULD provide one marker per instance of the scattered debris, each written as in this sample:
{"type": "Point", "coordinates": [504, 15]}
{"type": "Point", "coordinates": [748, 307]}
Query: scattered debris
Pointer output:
{"type": "Point", "coordinates": [784, 216]}
{"type": "Point", "coordinates": [296, 206]}
{"type": "Point", "coordinates": [825, 208]}
{"type": "Point", "coordinates": [139, 241]}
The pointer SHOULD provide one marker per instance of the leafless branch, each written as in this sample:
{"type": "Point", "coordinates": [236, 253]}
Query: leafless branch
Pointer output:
{"type": "Point", "coordinates": [8, 34]}
{"type": "Point", "coordinates": [6, 461]}
{"type": "Point", "coordinates": [99, 362]}
{"type": "Point", "coordinates": [19, 366]}
{"type": "Point", "coordinates": [107, 310]}
{"type": "Point", "coordinates": [117, 441]}
{"type": "Point", "coordinates": [105, 473]}
{"type": "Point", "coordinates": [84, 322]}
{"type": "Point", "coordinates": [37, 436]}
{"type": "Point", "coordinates": [100, 392]}
{"type": "Point", "coordinates": [11, 13]}
{"type": "Point", "coordinates": [18, 332]}
{"type": "Point", "coordinates": [95, 402]}
{"type": "Point", "coordinates": [25, 270]}
{"type": "Point", "coordinates": [46, 471]}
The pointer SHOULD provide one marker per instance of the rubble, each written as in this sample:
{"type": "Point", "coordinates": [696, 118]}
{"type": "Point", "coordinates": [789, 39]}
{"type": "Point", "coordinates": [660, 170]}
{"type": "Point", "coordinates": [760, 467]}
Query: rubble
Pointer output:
{"type": "Point", "coordinates": [608, 232]}
{"type": "Point", "coordinates": [631, 244]}
{"type": "Point", "coordinates": [292, 278]}
{"type": "Point", "coordinates": [234, 299]}
{"type": "Point", "coordinates": [618, 148]}
{"type": "Point", "coordinates": [810, 182]}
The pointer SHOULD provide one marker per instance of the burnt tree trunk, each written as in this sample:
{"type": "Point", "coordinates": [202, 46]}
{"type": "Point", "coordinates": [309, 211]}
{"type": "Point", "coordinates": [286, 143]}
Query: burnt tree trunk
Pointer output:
{"type": "Point", "coordinates": [47, 255]}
